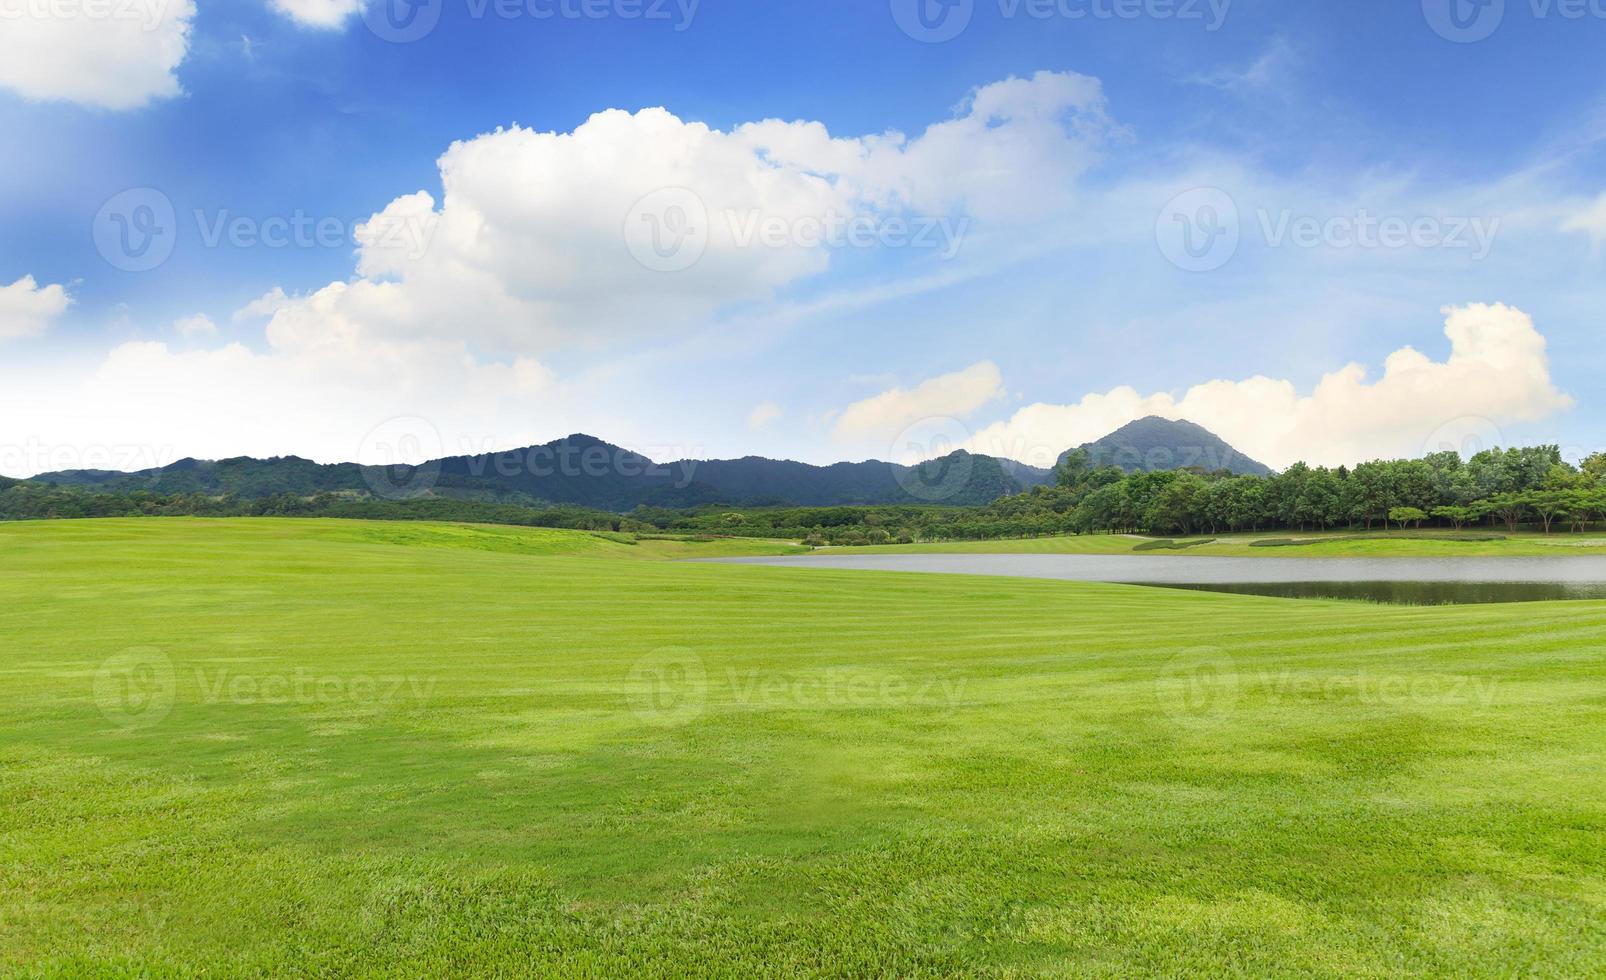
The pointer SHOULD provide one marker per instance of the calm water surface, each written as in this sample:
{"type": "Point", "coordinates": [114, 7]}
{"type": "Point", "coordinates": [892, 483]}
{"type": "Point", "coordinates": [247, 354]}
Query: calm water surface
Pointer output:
{"type": "Point", "coordinates": [1419, 581]}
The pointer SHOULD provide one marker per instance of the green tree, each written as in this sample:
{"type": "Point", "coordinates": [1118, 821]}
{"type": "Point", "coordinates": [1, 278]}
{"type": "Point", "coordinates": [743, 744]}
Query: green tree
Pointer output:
{"type": "Point", "coordinates": [1407, 515]}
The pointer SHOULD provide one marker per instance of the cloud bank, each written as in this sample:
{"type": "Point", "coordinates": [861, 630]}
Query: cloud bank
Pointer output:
{"type": "Point", "coordinates": [27, 309]}
{"type": "Point", "coordinates": [320, 14]}
{"type": "Point", "coordinates": [641, 223]}
{"type": "Point", "coordinates": [1497, 373]}
{"type": "Point", "coordinates": [957, 395]}
{"type": "Point", "coordinates": [106, 55]}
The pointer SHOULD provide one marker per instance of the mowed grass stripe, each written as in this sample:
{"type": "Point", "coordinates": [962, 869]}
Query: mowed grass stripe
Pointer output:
{"type": "Point", "coordinates": [612, 763]}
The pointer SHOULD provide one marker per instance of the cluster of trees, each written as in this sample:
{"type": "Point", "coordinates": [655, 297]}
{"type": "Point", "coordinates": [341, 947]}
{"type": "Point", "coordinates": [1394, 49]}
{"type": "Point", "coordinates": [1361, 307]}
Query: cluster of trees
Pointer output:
{"type": "Point", "coordinates": [1510, 487]}
{"type": "Point", "coordinates": [1506, 487]}
{"type": "Point", "coordinates": [840, 525]}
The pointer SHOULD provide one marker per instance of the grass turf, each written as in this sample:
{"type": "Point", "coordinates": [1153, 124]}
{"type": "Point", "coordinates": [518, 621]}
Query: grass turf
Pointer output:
{"type": "Point", "coordinates": [1373, 544]}
{"type": "Point", "coordinates": [292, 747]}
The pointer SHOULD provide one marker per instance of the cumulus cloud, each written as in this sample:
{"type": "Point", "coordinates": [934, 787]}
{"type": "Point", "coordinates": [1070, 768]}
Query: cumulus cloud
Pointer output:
{"type": "Point", "coordinates": [321, 14]}
{"type": "Point", "coordinates": [28, 309]}
{"type": "Point", "coordinates": [1590, 220]}
{"type": "Point", "coordinates": [762, 415]}
{"type": "Point", "coordinates": [1497, 373]}
{"type": "Point", "coordinates": [541, 240]}
{"type": "Point", "coordinates": [642, 222]}
{"type": "Point", "coordinates": [947, 396]}
{"type": "Point", "coordinates": [147, 404]}
{"type": "Point", "coordinates": [108, 55]}
{"type": "Point", "coordinates": [1273, 69]}
{"type": "Point", "coordinates": [199, 325]}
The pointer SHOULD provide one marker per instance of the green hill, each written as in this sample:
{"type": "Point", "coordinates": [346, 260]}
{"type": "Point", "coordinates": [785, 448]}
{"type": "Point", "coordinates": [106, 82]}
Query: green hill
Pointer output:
{"type": "Point", "coordinates": [1154, 443]}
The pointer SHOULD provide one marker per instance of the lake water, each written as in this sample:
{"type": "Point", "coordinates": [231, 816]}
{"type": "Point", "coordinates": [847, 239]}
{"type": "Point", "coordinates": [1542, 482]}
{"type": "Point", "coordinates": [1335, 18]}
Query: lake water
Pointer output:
{"type": "Point", "coordinates": [1417, 581]}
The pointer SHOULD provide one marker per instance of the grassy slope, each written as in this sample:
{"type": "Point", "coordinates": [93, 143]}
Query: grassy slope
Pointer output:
{"type": "Point", "coordinates": [1418, 545]}
{"type": "Point", "coordinates": [877, 773]}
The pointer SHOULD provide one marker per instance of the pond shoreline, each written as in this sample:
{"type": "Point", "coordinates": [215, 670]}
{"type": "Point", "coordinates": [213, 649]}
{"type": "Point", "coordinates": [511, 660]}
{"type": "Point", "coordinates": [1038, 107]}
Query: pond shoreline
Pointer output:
{"type": "Point", "coordinates": [1431, 581]}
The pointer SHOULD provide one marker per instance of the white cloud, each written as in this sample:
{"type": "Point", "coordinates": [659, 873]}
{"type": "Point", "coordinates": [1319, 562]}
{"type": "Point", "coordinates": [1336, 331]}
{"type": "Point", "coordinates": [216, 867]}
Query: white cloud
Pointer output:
{"type": "Point", "coordinates": [147, 404]}
{"type": "Point", "coordinates": [199, 325]}
{"type": "Point", "coordinates": [762, 415]}
{"type": "Point", "coordinates": [265, 305]}
{"type": "Point", "coordinates": [321, 14]}
{"type": "Point", "coordinates": [1497, 374]}
{"type": "Point", "coordinates": [1590, 220]}
{"type": "Point", "coordinates": [28, 309]}
{"type": "Point", "coordinates": [645, 223]}
{"type": "Point", "coordinates": [527, 249]}
{"type": "Point", "coordinates": [947, 396]}
{"type": "Point", "coordinates": [109, 55]}
{"type": "Point", "coordinates": [1272, 70]}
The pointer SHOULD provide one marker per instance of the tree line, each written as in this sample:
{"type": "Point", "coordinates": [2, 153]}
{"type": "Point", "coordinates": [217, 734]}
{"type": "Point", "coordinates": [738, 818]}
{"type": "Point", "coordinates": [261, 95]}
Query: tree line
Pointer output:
{"type": "Point", "coordinates": [23, 500]}
{"type": "Point", "coordinates": [1507, 488]}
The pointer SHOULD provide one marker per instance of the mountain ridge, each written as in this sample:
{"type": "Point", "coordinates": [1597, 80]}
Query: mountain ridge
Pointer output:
{"type": "Point", "coordinates": [584, 470]}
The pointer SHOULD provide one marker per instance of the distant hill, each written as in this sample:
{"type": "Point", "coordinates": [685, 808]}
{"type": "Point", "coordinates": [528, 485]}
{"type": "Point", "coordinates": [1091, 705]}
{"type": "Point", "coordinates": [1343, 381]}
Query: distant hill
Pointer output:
{"type": "Point", "coordinates": [586, 471]}
{"type": "Point", "coordinates": [1154, 443]}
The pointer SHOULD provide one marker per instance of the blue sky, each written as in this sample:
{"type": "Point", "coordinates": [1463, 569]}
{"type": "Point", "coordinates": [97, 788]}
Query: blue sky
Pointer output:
{"type": "Point", "coordinates": [1059, 311]}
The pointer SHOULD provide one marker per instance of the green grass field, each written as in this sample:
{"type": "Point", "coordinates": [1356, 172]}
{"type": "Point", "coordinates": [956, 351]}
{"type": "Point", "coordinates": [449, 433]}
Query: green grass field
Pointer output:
{"type": "Point", "coordinates": [1377, 544]}
{"type": "Point", "coordinates": [286, 747]}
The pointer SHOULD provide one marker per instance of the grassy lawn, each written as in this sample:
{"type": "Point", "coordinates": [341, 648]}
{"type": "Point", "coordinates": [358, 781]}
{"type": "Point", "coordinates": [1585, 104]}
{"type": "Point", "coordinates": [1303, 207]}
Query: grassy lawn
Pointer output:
{"type": "Point", "coordinates": [315, 747]}
{"type": "Point", "coordinates": [1341, 544]}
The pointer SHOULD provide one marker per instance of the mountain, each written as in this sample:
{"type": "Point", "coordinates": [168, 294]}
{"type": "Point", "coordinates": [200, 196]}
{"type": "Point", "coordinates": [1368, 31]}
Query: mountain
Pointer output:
{"type": "Point", "coordinates": [585, 471]}
{"type": "Point", "coordinates": [1155, 443]}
